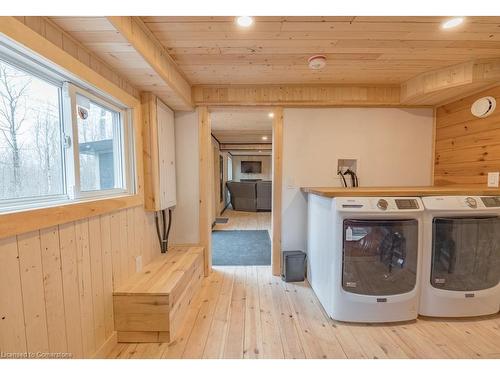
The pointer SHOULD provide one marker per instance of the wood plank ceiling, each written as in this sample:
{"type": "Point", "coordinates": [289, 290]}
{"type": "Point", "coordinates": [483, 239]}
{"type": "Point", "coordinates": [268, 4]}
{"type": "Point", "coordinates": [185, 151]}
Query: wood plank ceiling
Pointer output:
{"type": "Point", "coordinates": [267, 63]}
{"type": "Point", "coordinates": [365, 50]}
{"type": "Point", "coordinates": [242, 126]}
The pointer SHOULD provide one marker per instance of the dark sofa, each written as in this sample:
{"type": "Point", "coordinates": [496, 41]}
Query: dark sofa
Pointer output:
{"type": "Point", "coordinates": [250, 195]}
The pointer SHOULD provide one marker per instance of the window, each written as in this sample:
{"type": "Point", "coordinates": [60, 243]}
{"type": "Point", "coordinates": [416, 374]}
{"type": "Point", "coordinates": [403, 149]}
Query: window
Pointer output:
{"type": "Point", "coordinates": [102, 152]}
{"type": "Point", "coordinates": [58, 141]}
{"type": "Point", "coordinates": [31, 161]}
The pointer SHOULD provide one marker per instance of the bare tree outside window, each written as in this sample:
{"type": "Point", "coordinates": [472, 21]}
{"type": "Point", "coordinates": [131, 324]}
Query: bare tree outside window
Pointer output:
{"type": "Point", "coordinates": [37, 168]}
{"type": "Point", "coordinates": [30, 136]}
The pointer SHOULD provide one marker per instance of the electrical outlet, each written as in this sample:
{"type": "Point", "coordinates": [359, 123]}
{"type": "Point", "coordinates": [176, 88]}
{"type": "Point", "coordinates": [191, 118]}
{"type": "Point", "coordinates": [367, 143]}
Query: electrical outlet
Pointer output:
{"type": "Point", "coordinates": [493, 179]}
{"type": "Point", "coordinates": [138, 263]}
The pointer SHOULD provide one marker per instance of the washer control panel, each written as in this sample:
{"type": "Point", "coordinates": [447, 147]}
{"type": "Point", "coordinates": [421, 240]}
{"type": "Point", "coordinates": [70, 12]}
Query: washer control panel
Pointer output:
{"type": "Point", "coordinates": [382, 204]}
{"type": "Point", "coordinates": [378, 204]}
{"type": "Point", "coordinates": [406, 204]}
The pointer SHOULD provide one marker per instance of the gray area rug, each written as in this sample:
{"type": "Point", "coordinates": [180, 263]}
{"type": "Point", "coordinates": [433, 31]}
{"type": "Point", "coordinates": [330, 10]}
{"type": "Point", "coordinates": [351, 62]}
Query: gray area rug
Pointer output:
{"type": "Point", "coordinates": [241, 248]}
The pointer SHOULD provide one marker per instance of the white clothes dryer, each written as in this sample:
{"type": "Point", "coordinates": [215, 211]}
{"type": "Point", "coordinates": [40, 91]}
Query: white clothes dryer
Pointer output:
{"type": "Point", "coordinates": [461, 263]}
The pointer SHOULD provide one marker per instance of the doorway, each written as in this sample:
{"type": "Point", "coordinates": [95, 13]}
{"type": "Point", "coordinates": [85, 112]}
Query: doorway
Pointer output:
{"type": "Point", "coordinates": [242, 188]}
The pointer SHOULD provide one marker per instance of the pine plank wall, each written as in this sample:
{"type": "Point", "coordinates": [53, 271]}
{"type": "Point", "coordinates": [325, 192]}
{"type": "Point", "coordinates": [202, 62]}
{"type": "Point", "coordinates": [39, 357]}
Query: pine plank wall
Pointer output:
{"type": "Point", "coordinates": [467, 147]}
{"type": "Point", "coordinates": [56, 283]}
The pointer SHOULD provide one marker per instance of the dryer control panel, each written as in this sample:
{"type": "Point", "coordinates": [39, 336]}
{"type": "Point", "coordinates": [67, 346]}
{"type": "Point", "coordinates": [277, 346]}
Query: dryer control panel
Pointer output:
{"type": "Point", "coordinates": [462, 203]}
{"type": "Point", "coordinates": [491, 201]}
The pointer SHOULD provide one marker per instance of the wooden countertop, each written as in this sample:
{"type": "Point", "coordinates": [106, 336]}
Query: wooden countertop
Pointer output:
{"type": "Point", "coordinates": [402, 191]}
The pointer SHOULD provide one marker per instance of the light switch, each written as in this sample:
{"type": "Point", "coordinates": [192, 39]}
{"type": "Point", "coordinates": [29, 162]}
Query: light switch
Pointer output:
{"type": "Point", "coordinates": [493, 178]}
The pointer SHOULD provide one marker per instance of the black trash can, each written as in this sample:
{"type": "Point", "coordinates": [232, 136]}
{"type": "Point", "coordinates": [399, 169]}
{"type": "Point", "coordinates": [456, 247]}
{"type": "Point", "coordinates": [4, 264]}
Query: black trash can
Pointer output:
{"type": "Point", "coordinates": [294, 266]}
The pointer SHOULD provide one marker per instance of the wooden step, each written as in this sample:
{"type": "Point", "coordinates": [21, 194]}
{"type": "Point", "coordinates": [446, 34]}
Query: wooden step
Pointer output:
{"type": "Point", "coordinates": [152, 304]}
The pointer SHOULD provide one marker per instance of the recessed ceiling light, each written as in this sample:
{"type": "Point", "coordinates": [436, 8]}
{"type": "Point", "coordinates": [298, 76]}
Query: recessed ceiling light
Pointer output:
{"type": "Point", "coordinates": [244, 21]}
{"type": "Point", "coordinates": [454, 22]}
{"type": "Point", "coordinates": [271, 114]}
{"type": "Point", "coordinates": [264, 138]}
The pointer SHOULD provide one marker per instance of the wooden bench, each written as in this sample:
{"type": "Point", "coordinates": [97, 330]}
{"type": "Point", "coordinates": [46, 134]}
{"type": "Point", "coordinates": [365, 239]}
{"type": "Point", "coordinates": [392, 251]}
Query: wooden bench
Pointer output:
{"type": "Point", "coordinates": [152, 304]}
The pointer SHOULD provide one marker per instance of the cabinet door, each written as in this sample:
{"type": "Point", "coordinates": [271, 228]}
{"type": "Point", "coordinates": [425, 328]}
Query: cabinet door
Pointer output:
{"type": "Point", "coordinates": [166, 155]}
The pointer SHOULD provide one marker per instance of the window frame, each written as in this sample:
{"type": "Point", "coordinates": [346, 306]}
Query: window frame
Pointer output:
{"type": "Point", "coordinates": [69, 85]}
{"type": "Point", "coordinates": [125, 142]}
{"type": "Point", "coordinates": [14, 204]}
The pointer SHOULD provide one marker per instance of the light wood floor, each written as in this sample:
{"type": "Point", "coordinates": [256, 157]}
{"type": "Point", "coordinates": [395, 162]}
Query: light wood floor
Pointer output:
{"type": "Point", "coordinates": [242, 220]}
{"type": "Point", "coordinates": [245, 312]}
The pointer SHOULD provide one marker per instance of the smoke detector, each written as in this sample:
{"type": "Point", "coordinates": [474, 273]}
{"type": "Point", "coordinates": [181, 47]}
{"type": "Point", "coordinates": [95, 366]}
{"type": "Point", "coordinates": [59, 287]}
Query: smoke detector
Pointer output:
{"type": "Point", "coordinates": [317, 62]}
{"type": "Point", "coordinates": [483, 107]}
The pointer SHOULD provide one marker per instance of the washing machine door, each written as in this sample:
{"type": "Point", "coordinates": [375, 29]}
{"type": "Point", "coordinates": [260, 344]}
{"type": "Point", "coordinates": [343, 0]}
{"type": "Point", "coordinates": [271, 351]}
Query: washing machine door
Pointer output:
{"type": "Point", "coordinates": [465, 253]}
{"type": "Point", "coordinates": [379, 256]}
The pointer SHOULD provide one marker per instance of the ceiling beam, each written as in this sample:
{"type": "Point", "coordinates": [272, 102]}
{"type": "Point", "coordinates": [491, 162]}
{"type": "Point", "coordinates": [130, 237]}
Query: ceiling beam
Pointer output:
{"type": "Point", "coordinates": [446, 84]}
{"type": "Point", "coordinates": [245, 146]}
{"type": "Point", "coordinates": [146, 44]}
{"type": "Point", "coordinates": [297, 95]}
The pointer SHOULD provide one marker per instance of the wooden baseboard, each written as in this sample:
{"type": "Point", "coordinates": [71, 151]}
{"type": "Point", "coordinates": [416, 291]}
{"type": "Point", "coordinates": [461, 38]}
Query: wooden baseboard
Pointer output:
{"type": "Point", "coordinates": [106, 348]}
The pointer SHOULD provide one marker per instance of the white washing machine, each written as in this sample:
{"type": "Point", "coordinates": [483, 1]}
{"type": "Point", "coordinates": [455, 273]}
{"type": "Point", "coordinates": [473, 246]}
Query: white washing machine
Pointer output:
{"type": "Point", "coordinates": [461, 263]}
{"type": "Point", "coordinates": [364, 255]}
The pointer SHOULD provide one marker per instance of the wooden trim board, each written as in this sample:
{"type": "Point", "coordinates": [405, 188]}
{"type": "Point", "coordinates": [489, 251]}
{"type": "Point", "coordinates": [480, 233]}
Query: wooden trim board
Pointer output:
{"type": "Point", "coordinates": [277, 190]}
{"type": "Point", "coordinates": [26, 221]}
{"type": "Point", "coordinates": [296, 95]}
{"type": "Point", "coordinates": [205, 185]}
{"type": "Point", "coordinates": [146, 44]}
{"type": "Point", "coordinates": [150, 150]}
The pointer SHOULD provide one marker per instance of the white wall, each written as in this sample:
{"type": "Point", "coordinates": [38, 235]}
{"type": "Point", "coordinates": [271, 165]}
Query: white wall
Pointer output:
{"type": "Point", "coordinates": [266, 172]}
{"type": "Point", "coordinates": [225, 156]}
{"type": "Point", "coordinates": [186, 214]}
{"type": "Point", "coordinates": [393, 147]}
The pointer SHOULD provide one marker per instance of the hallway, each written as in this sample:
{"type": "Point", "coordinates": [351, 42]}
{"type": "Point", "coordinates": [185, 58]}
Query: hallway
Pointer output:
{"type": "Point", "coordinates": [242, 220]}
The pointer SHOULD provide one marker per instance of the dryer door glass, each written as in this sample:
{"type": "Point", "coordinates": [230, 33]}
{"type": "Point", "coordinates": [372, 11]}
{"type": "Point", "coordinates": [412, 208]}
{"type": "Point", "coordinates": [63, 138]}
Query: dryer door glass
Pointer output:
{"type": "Point", "coordinates": [379, 256]}
{"type": "Point", "coordinates": [465, 253]}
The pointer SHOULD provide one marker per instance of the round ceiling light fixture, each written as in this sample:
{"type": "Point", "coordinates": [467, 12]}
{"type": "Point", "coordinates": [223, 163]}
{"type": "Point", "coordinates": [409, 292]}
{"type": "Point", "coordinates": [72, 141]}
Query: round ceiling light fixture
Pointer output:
{"type": "Point", "coordinates": [264, 138]}
{"type": "Point", "coordinates": [244, 21]}
{"type": "Point", "coordinates": [483, 107]}
{"type": "Point", "coordinates": [271, 114]}
{"type": "Point", "coordinates": [317, 62]}
{"type": "Point", "coordinates": [451, 23]}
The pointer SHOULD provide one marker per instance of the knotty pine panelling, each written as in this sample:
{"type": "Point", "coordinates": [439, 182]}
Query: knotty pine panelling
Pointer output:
{"type": "Point", "coordinates": [53, 33]}
{"type": "Point", "coordinates": [467, 147]}
{"type": "Point", "coordinates": [56, 284]}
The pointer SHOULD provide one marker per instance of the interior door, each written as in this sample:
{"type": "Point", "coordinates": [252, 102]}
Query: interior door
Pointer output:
{"type": "Point", "coordinates": [465, 253]}
{"type": "Point", "coordinates": [379, 256]}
